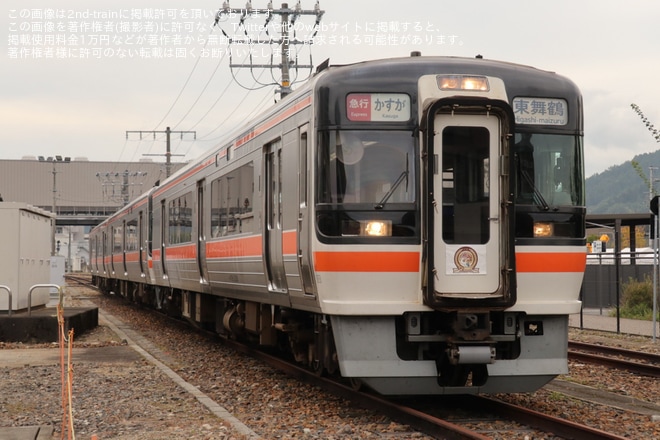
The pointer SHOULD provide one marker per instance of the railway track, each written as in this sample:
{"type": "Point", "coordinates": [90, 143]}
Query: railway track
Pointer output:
{"type": "Point", "coordinates": [79, 280]}
{"type": "Point", "coordinates": [648, 365]}
{"type": "Point", "coordinates": [560, 427]}
{"type": "Point", "coordinates": [422, 419]}
{"type": "Point", "coordinates": [490, 416]}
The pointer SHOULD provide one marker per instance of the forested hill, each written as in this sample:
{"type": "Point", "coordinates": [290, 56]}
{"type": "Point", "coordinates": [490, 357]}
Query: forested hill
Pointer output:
{"type": "Point", "coordinates": [620, 189]}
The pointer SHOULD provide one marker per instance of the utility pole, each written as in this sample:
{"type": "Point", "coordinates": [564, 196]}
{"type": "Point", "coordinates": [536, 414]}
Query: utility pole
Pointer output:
{"type": "Point", "coordinates": [288, 22]}
{"type": "Point", "coordinates": [108, 180]}
{"type": "Point", "coordinates": [168, 155]}
{"type": "Point", "coordinates": [656, 249]}
{"type": "Point", "coordinates": [54, 160]}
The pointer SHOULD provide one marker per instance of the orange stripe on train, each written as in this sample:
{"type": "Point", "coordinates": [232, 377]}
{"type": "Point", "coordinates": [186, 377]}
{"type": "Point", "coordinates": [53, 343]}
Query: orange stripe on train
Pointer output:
{"type": "Point", "coordinates": [551, 261]}
{"type": "Point", "coordinates": [185, 252]}
{"type": "Point", "coordinates": [366, 261]}
{"type": "Point", "coordinates": [249, 246]}
{"type": "Point", "coordinates": [409, 262]}
{"type": "Point", "coordinates": [237, 247]}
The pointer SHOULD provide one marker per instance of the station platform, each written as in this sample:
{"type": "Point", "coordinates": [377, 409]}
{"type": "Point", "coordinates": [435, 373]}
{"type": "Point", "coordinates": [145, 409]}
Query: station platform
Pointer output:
{"type": "Point", "coordinates": [41, 324]}
{"type": "Point", "coordinates": [600, 319]}
{"type": "Point", "coordinates": [27, 433]}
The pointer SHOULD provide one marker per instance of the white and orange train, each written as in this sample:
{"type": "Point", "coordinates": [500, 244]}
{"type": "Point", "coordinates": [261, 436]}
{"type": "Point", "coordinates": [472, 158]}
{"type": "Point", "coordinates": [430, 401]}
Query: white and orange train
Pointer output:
{"type": "Point", "coordinates": [415, 224]}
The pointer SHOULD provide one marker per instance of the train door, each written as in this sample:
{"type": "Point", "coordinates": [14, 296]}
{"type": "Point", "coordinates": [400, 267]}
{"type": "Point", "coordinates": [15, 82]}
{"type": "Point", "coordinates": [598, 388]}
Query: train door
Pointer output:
{"type": "Point", "coordinates": [148, 244]}
{"type": "Point", "coordinates": [93, 249]}
{"type": "Point", "coordinates": [124, 233]}
{"type": "Point", "coordinates": [471, 247]}
{"type": "Point", "coordinates": [303, 236]}
{"type": "Point", "coordinates": [273, 249]}
{"type": "Point", "coordinates": [201, 235]}
{"type": "Point", "coordinates": [114, 247]}
{"type": "Point", "coordinates": [140, 231]}
{"type": "Point", "coordinates": [163, 234]}
{"type": "Point", "coordinates": [104, 252]}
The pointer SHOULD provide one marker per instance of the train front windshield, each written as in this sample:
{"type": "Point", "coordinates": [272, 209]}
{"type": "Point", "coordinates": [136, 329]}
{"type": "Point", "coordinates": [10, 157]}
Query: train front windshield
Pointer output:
{"type": "Point", "coordinates": [367, 184]}
{"type": "Point", "coordinates": [549, 170]}
{"type": "Point", "coordinates": [549, 175]}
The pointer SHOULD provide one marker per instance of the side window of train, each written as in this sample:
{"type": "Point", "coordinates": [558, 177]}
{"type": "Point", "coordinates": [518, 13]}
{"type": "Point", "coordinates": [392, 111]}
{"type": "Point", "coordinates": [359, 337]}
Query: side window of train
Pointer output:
{"type": "Point", "coordinates": [117, 235]}
{"type": "Point", "coordinates": [180, 219]}
{"type": "Point", "coordinates": [231, 202]}
{"type": "Point", "coordinates": [132, 235]}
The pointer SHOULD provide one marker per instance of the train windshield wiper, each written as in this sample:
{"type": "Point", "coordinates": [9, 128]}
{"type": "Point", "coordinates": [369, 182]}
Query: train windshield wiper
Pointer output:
{"type": "Point", "coordinates": [386, 197]}
{"type": "Point", "coordinates": [538, 197]}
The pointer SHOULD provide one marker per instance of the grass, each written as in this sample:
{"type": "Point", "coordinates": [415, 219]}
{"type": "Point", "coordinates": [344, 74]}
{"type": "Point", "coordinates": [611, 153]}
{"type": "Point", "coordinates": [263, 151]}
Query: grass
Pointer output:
{"type": "Point", "coordinates": [637, 300]}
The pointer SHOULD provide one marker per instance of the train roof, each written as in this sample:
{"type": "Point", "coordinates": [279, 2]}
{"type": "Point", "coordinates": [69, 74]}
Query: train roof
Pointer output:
{"type": "Point", "coordinates": [408, 69]}
{"type": "Point", "coordinates": [400, 73]}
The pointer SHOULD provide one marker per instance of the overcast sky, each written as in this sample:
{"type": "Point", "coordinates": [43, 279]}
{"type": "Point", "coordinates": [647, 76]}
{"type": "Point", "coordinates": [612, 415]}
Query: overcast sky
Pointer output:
{"type": "Point", "coordinates": [76, 77]}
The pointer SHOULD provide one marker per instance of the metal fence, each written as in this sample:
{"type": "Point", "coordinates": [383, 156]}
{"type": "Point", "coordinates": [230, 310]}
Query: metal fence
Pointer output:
{"type": "Point", "coordinates": [603, 276]}
{"type": "Point", "coordinates": [602, 290]}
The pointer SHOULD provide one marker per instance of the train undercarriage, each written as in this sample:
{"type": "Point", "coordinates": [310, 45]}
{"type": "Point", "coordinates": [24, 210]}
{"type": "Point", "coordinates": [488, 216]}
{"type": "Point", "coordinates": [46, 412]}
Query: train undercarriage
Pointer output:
{"type": "Point", "coordinates": [306, 337]}
{"type": "Point", "coordinates": [458, 350]}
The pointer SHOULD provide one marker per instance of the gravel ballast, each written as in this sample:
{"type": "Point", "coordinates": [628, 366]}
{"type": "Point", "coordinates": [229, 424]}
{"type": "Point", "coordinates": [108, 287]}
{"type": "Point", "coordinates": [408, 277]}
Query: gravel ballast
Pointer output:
{"type": "Point", "coordinates": [131, 398]}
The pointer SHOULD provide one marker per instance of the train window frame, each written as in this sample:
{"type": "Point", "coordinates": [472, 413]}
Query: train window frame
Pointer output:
{"type": "Point", "coordinates": [240, 219]}
{"type": "Point", "coordinates": [179, 219]}
{"type": "Point", "coordinates": [546, 186]}
{"type": "Point", "coordinates": [117, 239]}
{"type": "Point", "coordinates": [466, 183]}
{"type": "Point", "coordinates": [388, 214]}
{"type": "Point", "coordinates": [131, 235]}
{"type": "Point", "coordinates": [536, 196]}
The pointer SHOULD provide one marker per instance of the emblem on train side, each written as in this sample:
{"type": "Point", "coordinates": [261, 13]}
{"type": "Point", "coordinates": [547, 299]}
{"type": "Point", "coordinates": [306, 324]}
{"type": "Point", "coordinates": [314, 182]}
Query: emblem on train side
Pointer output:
{"type": "Point", "coordinates": [466, 259]}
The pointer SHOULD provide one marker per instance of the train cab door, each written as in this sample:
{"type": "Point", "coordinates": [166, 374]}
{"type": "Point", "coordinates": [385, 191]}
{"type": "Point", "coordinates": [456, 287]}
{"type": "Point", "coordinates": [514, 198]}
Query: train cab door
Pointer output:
{"type": "Point", "coordinates": [201, 235]}
{"type": "Point", "coordinates": [304, 234]}
{"type": "Point", "coordinates": [273, 248]}
{"type": "Point", "coordinates": [471, 249]}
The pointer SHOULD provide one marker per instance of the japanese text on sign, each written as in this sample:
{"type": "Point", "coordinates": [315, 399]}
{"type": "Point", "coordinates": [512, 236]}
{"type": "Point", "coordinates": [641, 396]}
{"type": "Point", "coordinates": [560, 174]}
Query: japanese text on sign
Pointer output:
{"type": "Point", "coordinates": [169, 33]}
{"type": "Point", "coordinates": [540, 111]}
{"type": "Point", "coordinates": [375, 107]}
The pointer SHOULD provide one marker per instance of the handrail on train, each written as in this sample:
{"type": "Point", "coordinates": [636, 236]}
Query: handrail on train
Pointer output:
{"type": "Point", "coordinates": [36, 286]}
{"type": "Point", "coordinates": [9, 292]}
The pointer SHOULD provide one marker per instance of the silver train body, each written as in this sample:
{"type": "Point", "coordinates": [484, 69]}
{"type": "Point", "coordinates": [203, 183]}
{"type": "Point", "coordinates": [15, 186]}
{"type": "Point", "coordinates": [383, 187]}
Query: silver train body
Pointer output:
{"type": "Point", "coordinates": [415, 224]}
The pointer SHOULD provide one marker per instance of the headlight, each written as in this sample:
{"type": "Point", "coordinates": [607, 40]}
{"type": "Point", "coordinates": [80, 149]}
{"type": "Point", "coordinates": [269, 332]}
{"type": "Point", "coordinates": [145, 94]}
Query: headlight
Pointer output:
{"type": "Point", "coordinates": [376, 228]}
{"type": "Point", "coordinates": [462, 82]}
{"type": "Point", "coordinates": [543, 229]}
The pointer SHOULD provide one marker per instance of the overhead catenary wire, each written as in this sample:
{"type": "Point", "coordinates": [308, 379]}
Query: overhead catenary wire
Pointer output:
{"type": "Point", "coordinates": [217, 100]}
{"type": "Point", "coordinates": [208, 82]}
{"type": "Point", "coordinates": [204, 89]}
{"type": "Point", "coordinates": [256, 109]}
{"type": "Point", "coordinates": [293, 17]}
{"type": "Point", "coordinates": [185, 84]}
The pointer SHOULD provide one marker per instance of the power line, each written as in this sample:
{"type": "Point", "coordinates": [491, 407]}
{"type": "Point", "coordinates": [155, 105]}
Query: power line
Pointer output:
{"type": "Point", "coordinates": [201, 93]}
{"type": "Point", "coordinates": [185, 84]}
{"type": "Point", "coordinates": [285, 41]}
{"type": "Point", "coordinates": [168, 154]}
{"type": "Point", "coordinates": [111, 180]}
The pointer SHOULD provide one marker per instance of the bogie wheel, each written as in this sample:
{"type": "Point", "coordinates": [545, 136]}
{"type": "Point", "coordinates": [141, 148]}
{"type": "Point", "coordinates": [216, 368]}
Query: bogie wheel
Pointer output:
{"type": "Point", "coordinates": [356, 383]}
